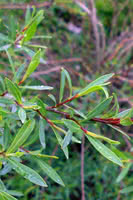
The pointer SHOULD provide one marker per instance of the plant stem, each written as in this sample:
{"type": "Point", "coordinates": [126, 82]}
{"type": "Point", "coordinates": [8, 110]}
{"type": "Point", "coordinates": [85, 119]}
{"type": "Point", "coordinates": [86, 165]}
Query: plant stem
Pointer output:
{"type": "Point", "coordinates": [82, 168]}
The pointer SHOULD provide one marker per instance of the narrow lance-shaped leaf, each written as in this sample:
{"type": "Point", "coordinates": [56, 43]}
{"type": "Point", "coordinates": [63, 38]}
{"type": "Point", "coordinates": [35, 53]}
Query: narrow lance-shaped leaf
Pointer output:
{"type": "Point", "coordinates": [119, 153]}
{"type": "Point", "coordinates": [71, 125]}
{"type": "Point", "coordinates": [123, 173]}
{"type": "Point", "coordinates": [2, 84]}
{"type": "Point", "coordinates": [50, 172]}
{"type": "Point", "coordinates": [101, 80]}
{"type": "Point", "coordinates": [98, 82]}
{"type": "Point", "coordinates": [21, 136]}
{"type": "Point", "coordinates": [42, 108]}
{"type": "Point", "coordinates": [123, 114]}
{"type": "Point", "coordinates": [6, 196]}
{"type": "Point", "coordinates": [38, 87]}
{"type": "Point", "coordinates": [62, 85]}
{"type": "Point", "coordinates": [33, 65]}
{"type": "Point", "coordinates": [105, 151]}
{"type": "Point", "coordinates": [60, 141]}
{"type": "Point", "coordinates": [32, 26]}
{"type": "Point", "coordinates": [42, 133]}
{"type": "Point", "coordinates": [127, 190]}
{"type": "Point", "coordinates": [69, 81]}
{"type": "Point", "coordinates": [2, 186]}
{"type": "Point", "coordinates": [29, 105]}
{"type": "Point", "coordinates": [126, 121]}
{"type": "Point", "coordinates": [67, 139]}
{"type": "Point", "coordinates": [89, 90]}
{"type": "Point", "coordinates": [15, 193]}
{"type": "Point", "coordinates": [22, 115]}
{"type": "Point", "coordinates": [14, 90]}
{"type": "Point", "coordinates": [19, 73]}
{"type": "Point", "coordinates": [99, 108]}
{"type": "Point", "coordinates": [27, 173]}
{"type": "Point", "coordinates": [6, 137]}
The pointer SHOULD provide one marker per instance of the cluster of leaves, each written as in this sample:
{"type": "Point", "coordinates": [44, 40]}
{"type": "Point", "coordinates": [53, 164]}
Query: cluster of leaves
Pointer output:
{"type": "Point", "coordinates": [26, 118]}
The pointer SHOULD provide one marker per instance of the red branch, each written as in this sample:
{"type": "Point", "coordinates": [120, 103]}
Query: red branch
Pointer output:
{"type": "Point", "coordinates": [113, 121]}
{"type": "Point", "coordinates": [66, 101]}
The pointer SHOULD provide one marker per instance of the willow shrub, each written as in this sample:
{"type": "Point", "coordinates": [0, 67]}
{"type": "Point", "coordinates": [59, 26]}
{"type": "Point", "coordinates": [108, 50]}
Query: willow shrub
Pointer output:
{"type": "Point", "coordinates": [20, 114]}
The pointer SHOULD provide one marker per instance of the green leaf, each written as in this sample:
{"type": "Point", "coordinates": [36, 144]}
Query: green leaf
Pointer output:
{"type": "Point", "coordinates": [105, 151]}
{"type": "Point", "coordinates": [71, 125]}
{"type": "Point", "coordinates": [87, 90]}
{"type": "Point", "coordinates": [18, 73]}
{"type": "Point", "coordinates": [15, 193]}
{"type": "Point", "coordinates": [35, 153]}
{"type": "Point", "coordinates": [6, 101]}
{"type": "Point", "coordinates": [2, 186]}
{"type": "Point", "coordinates": [27, 173]}
{"type": "Point", "coordinates": [10, 61]}
{"type": "Point", "coordinates": [6, 196]}
{"type": "Point", "coordinates": [27, 15]}
{"type": "Point", "coordinates": [3, 111]}
{"type": "Point", "coordinates": [21, 136]}
{"type": "Point", "coordinates": [2, 85]}
{"type": "Point", "coordinates": [40, 87]}
{"type": "Point", "coordinates": [32, 26]}
{"type": "Point", "coordinates": [119, 153]}
{"type": "Point", "coordinates": [50, 172]}
{"type": "Point", "coordinates": [33, 65]}
{"type": "Point", "coordinates": [29, 105]}
{"type": "Point", "coordinates": [62, 85]}
{"type": "Point", "coordinates": [96, 85]}
{"type": "Point", "coordinates": [123, 113]}
{"type": "Point", "coordinates": [77, 112]}
{"type": "Point", "coordinates": [69, 81]}
{"type": "Point", "coordinates": [32, 138]}
{"type": "Point", "coordinates": [42, 133]}
{"type": "Point", "coordinates": [7, 136]}
{"type": "Point", "coordinates": [123, 173]}
{"type": "Point", "coordinates": [60, 141]}
{"type": "Point", "coordinates": [127, 190]}
{"type": "Point", "coordinates": [126, 121]}
{"type": "Point", "coordinates": [67, 139]}
{"type": "Point", "coordinates": [52, 97]}
{"type": "Point", "coordinates": [74, 139]}
{"type": "Point", "coordinates": [14, 90]}
{"type": "Point", "coordinates": [22, 115]}
{"type": "Point", "coordinates": [4, 38]}
{"type": "Point", "coordinates": [101, 80]}
{"type": "Point", "coordinates": [99, 108]}
{"type": "Point", "coordinates": [30, 32]}
{"type": "Point", "coordinates": [42, 108]}
{"type": "Point", "coordinates": [116, 105]}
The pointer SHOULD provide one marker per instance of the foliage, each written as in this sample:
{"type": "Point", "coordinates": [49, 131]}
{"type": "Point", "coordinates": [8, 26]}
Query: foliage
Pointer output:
{"type": "Point", "coordinates": [29, 114]}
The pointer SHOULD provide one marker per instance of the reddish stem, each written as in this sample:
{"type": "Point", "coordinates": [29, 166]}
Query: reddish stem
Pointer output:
{"type": "Point", "coordinates": [113, 121]}
{"type": "Point", "coordinates": [66, 101]}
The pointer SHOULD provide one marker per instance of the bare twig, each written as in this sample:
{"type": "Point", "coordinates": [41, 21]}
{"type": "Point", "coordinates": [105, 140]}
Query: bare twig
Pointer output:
{"type": "Point", "coordinates": [97, 29]}
{"type": "Point", "coordinates": [96, 32]}
{"type": "Point", "coordinates": [82, 168]}
{"type": "Point", "coordinates": [23, 5]}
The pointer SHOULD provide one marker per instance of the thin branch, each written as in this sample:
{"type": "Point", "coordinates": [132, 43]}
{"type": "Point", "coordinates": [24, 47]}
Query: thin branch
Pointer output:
{"type": "Point", "coordinates": [82, 168]}
{"type": "Point", "coordinates": [96, 33]}
{"type": "Point", "coordinates": [23, 6]}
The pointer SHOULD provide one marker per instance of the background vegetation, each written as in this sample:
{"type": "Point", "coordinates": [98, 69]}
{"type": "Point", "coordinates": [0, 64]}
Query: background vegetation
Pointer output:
{"type": "Point", "coordinates": [88, 40]}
